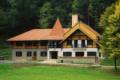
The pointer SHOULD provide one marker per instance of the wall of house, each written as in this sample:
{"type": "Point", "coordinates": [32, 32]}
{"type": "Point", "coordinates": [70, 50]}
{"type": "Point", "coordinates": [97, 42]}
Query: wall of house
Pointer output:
{"type": "Point", "coordinates": [60, 52]}
{"type": "Point", "coordinates": [24, 56]}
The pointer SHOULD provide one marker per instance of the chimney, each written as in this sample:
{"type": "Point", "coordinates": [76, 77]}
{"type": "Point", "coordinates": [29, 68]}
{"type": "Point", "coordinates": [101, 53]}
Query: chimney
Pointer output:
{"type": "Point", "coordinates": [74, 19]}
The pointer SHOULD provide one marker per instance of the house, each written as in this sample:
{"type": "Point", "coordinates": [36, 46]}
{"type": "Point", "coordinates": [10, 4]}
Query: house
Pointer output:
{"type": "Point", "coordinates": [78, 41]}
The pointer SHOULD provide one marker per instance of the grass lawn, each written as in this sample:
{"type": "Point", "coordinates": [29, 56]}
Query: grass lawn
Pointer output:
{"type": "Point", "coordinates": [42, 72]}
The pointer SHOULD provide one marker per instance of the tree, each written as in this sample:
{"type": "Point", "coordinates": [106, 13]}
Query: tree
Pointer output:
{"type": "Point", "coordinates": [110, 43]}
{"type": "Point", "coordinates": [80, 7]}
{"type": "Point", "coordinates": [46, 15]}
{"type": "Point", "coordinates": [96, 8]}
{"type": "Point", "coordinates": [3, 20]}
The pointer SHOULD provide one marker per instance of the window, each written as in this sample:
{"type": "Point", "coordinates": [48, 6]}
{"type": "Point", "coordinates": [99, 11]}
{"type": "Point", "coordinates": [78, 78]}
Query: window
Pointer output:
{"type": "Point", "coordinates": [18, 53]}
{"type": "Point", "coordinates": [79, 54]}
{"type": "Point", "coordinates": [19, 43]}
{"type": "Point", "coordinates": [67, 54]}
{"type": "Point", "coordinates": [43, 54]}
{"type": "Point", "coordinates": [43, 43]}
{"type": "Point", "coordinates": [34, 53]}
{"type": "Point", "coordinates": [52, 44]}
{"type": "Point", "coordinates": [83, 43]}
{"type": "Point", "coordinates": [69, 42]}
{"type": "Point", "coordinates": [75, 43]}
{"type": "Point", "coordinates": [29, 43]}
{"type": "Point", "coordinates": [29, 53]}
{"type": "Point", "coordinates": [91, 53]}
{"type": "Point", "coordinates": [90, 42]}
{"type": "Point", "coordinates": [35, 43]}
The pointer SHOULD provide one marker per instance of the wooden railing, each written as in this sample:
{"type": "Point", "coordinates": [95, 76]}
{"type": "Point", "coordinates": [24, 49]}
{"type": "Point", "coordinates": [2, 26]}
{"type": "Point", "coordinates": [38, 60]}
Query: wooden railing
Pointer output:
{"type": "Point", "coordinates": [33, 47]}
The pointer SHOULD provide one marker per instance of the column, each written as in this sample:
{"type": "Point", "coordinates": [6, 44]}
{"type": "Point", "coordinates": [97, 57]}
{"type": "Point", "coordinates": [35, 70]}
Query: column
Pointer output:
{"type": "Point", "coordinates": [73, 54]}
{"type": "Point", "coordinates": [24, 54]}
{"type": "Point", "coordinates": [79, 43]}
{"type": "Point", "coordinates": [38, 54]}
{"type": "Point", "coordinates": [60, 54]}
{"type": "Point", "coordinates": [97, 54]}
{"type": "Point", "coordinates": [85, 43]}
{"type": "Point", "coordinates": [48, 54]}
{"type": "Point", "coordinates": [85, 53]}
{"type": "Point", "coordinates": [73, 43]}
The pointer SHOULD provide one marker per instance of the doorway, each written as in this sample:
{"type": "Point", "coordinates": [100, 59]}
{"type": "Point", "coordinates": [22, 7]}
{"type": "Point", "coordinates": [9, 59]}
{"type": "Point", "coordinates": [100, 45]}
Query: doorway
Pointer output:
{"type": "Point", "coordinates": [54, 54]}
{"type": "Point", "coordinates": [34, 55]}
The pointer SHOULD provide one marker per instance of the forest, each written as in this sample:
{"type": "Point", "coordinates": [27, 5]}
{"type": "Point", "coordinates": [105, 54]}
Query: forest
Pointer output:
{"type": "Point", "coordinates": [17, 16]}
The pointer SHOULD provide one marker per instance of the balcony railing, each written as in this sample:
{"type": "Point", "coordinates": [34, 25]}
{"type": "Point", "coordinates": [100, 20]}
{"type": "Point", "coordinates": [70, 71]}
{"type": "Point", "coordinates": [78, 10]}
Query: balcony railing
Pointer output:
{"type": "Point", "coordinates": [29, 47]}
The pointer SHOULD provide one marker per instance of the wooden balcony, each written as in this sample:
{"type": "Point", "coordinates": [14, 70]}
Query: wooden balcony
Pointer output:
{"type": "Point", "coordinates": [30, 47]}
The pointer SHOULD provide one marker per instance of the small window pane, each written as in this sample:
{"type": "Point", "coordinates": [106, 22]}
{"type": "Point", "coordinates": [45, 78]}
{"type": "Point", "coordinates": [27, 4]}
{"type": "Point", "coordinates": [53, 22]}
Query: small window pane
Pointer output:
{"type": "Point", "coordinates": [18, 53]}
{"type": "Point", "coordinates": [91, 53]}
{"type": "Point", "coordinates": [43, 54]}
{"type": "Point", "coordinates": [79, 54]}
{"type": "Point", "coordinates": [67, 53]}
{"type": "Point", "coordinates": [29, 43]}
{"type": "Point", "coordinates": [19, 43]}
{"type": "Point", "coordinates": [29, 53]}
{"type": "Point", "coordinates": [69, 42]}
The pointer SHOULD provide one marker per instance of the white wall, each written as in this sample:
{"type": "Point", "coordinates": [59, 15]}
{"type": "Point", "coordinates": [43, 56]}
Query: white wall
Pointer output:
{"type": "Point", "coordinates": [59, 50]}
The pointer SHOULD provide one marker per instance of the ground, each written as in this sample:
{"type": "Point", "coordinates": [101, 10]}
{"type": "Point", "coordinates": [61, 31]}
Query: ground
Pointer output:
{"type": "Point", "coordinates": [46, 72]}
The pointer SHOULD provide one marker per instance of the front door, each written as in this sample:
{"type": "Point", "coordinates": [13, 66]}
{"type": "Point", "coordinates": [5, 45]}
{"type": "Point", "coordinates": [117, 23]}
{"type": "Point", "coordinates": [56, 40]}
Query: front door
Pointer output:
{"type": "Point", "coordinates": [34, 55]}
{"type": "Point", "coordinates": [54, 54]}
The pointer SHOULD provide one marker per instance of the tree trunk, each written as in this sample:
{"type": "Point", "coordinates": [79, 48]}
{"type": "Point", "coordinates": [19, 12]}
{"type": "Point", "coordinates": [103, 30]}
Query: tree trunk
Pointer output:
{"type": "Point", "coordinates": [115, 63]}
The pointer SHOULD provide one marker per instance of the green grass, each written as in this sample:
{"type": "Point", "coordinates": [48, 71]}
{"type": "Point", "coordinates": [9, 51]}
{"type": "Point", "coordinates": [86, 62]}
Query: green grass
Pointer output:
{"type": "Point", "coordinates": [109, 62]}
{"type": "Point", "coordinates": [42, 72]}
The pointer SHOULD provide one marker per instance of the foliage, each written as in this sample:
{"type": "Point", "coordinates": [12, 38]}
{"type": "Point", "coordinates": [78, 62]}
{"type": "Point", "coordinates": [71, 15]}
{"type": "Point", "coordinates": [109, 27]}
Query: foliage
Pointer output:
{"type": "Point", "coordinates": [46, 15]}
{"type": "Point", "coordinates": [81, 10]}
{"type": "Point", "coordinates": [5, 53]}
{"type": "Point", "coordinates": [3, 19]}
{"type": "Point", "coordinates": [96, 8]}
{"type": "Point", "coordinates": [110, 43]}
{"type": "Point", "coordinates": [28, 14]}
{"type": "Point", "coordinates": [109, 62]}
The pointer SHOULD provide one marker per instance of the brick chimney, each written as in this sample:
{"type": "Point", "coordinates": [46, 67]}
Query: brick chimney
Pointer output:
{"type": "Point", "coordinates": [74, 19]}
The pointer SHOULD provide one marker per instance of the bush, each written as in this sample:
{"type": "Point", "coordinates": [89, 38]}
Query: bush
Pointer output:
{"type": "Point", "coordinates": [6, 53]}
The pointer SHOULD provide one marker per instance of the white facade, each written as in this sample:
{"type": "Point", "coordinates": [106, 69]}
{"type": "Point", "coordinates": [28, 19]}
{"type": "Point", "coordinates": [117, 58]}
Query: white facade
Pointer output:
{"type": "Point", "coordinates": [59, 52]}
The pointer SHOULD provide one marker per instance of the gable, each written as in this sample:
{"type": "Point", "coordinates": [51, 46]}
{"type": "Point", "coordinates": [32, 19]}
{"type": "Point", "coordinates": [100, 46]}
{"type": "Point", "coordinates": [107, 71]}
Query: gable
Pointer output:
{"type": "Point", "coordinates": [92, 34]}
{"type": "Point", "coordinates": [78, 35]}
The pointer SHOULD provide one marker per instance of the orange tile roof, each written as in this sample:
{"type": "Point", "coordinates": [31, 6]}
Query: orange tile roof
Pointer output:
{"type": "Point", "coordinates": [42, 34]}
{"type": "Point", "coordinates": [57, 29]}
{"type": "Point", "coordinates": [56, 33]}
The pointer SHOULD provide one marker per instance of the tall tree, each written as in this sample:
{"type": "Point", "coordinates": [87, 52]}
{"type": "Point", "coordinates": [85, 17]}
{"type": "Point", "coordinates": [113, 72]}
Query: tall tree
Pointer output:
{"type": "Point", "coordinates": [96, 8]}
{"type": "Point", "coordinates": [46, 15]}
{"type": "Point", "coordinates": [110, 41]}
{"type": "Point", "coordinates": [62, 9]}
{"type": "Point", "coordinates": [80, 7]}
{"type": "Point", "coordinates": [3, 20]}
